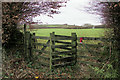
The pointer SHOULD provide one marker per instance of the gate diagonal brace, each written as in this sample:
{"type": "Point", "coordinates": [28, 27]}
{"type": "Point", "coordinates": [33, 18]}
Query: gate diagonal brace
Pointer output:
{"type": "Point", "coordinates": [44, 47]}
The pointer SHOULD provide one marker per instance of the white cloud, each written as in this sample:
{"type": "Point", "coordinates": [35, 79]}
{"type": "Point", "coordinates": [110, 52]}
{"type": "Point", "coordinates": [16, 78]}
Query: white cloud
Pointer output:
{"type": "Point", "coordinates": [72, 14]}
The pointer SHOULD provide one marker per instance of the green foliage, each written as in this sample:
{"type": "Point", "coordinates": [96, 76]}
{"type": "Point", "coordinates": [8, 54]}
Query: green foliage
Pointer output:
{"type": "Point", "coordinates": [29, 64]}
{"type": "Point", "coordinates": [107, 71]}
{"type": "Point", "coordinates": [109, 12]}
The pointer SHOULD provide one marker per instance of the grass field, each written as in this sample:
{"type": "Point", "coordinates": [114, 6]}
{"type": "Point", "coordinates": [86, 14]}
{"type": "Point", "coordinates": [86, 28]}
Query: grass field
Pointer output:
{"type": "Point", "coordinates": [79, 32]}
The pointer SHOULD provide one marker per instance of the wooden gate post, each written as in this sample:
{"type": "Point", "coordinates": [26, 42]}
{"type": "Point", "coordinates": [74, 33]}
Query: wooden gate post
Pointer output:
{"type": "Point", "coordinates": [74, 46]}
{"type": "Point", "coordinates": [52, 43]}
{"type": "Point", "coordinates": [33, 46]}
{"type": "Point", "coordinates": [25, 38]}
{"type": "Point", "coordinates": [34, 40]}
{"type": "Point", "coordinates": [25, 42]}
{"type": "Point", "coordinates": [30, 47]}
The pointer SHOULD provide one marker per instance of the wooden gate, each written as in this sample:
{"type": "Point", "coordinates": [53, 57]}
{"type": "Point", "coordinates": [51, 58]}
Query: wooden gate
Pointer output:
{"type": "Point", "coordinates": [58, 51]}
{"type": "Point", "coordinates": [90, 52]}
{"type": "Point", "coordinates": [89, 55]}
{"type": "Point", "coordinates": [63, 50]}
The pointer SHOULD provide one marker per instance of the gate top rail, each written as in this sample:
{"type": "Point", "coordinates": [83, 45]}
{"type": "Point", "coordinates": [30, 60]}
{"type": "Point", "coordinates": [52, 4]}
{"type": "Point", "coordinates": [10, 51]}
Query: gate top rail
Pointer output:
{"type": "Point", "coordinates": [91, 38]}
{"type": "Point", "coordinates": [63, 36]}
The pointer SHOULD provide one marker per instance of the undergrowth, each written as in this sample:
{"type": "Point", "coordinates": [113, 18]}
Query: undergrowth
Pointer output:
{"type": "Point", "coordinates": [15, 66]}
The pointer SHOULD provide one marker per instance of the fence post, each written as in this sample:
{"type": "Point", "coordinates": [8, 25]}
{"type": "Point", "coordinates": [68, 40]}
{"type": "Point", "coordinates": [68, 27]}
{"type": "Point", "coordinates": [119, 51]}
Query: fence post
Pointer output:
{"type": "Point", "coordinates": [25, 42]}
{"type": "Point", "coordinates": [24, 38]}
{"type": "Point", "coordinates": [34, 39]}
{"type": "Point", "coordinates": [52, 43]}
{"type": "Point", "coordinates": [74, 46]}
{"type": "Point", "coordinates": [30, 47]}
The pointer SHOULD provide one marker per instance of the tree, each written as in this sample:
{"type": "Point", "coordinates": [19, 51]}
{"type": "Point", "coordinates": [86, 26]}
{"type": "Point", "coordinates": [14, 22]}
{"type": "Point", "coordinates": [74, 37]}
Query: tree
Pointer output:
{"type": "Point", "coordinates": [87, 25]}
{"type": "Point", "coordinates": [21, 12]}
{"type": "Point", "coordinates": [110, 14]}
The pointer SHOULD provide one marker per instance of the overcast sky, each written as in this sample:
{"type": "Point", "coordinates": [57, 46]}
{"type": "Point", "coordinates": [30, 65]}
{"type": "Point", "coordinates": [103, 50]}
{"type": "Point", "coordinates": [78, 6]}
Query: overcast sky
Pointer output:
{"type": "Point", "coordinates": [72, 14]}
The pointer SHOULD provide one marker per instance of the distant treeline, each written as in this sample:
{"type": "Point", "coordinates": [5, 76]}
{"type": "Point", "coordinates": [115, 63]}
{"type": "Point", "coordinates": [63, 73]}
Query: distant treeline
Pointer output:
{"type": "Point", "coordinates": [80, 27]}
{"type": "Point", "coordinates": [68, 27]}
{"type": "Point", "coordinates": [71, 27]}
